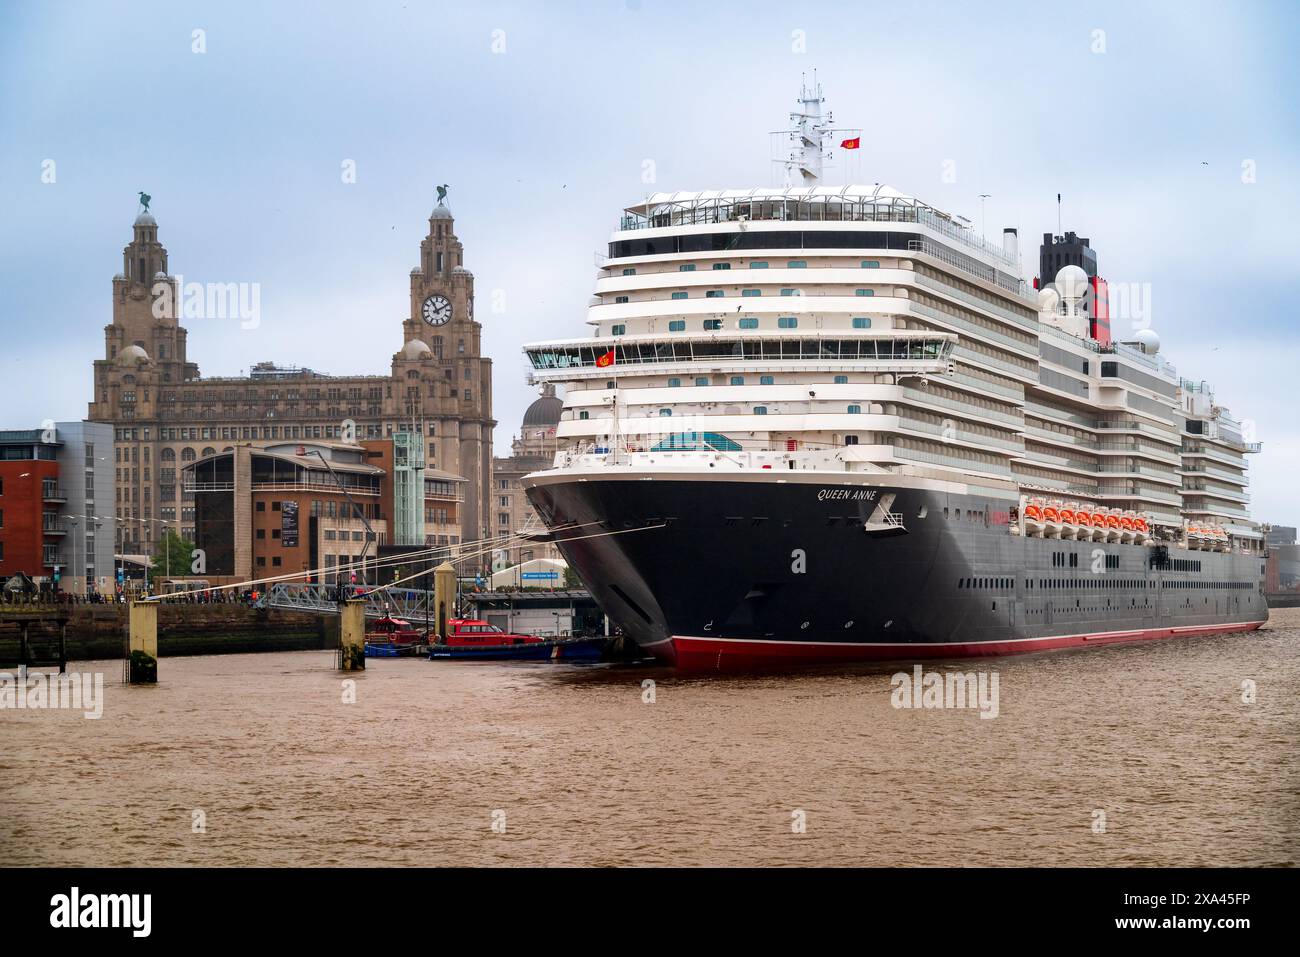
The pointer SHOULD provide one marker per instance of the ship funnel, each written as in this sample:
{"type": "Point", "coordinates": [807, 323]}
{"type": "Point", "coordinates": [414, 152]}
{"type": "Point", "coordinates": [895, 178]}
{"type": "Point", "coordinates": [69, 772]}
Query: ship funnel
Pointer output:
{"type": "Point", "coordinates": [1011, 242]}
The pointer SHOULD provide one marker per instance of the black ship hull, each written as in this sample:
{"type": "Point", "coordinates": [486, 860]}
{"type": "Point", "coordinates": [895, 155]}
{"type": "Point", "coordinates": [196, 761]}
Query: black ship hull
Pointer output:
{"type": "Point", "coordinates": [721, 573]}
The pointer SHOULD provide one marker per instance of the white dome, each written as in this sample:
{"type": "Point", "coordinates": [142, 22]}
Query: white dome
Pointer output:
{"type": "Point", "coordinates": [461, 271]}
{"type": "Point", "coordinates": [131, 355]}
{"type": "Point", "coordinates": [415, 349]}
{"type": "Point", "coordinates": [1071, 282]}
{"type": "Point", "coordinates": [440, 212]}
{"type": "Point", "coordinates": [160, 275]}
{"type": "Point", "coordinates": [417, 271]}
{"type": "Point", "coordinates": [1147, 341]}
{"type": "Point", "coordinates": [146, 219]}
{"type": "Point", "coordinates": [1049, 300]}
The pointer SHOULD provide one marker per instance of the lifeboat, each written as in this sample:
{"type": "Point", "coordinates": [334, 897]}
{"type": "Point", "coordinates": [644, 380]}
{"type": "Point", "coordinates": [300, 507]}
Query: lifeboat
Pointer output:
{"type": "Point", "coordinates": [1098, 523]}
{"type": "Point", "coordinates": [1034, 517]}
{"type": "Point", "coordinates": [1114, 527]}
{"type": "Point", "coordinates": [1141, 530]}
{"type": "Point", "coordinates": [1051, 521]}
{"type": "Point", "coordinates": [1126, 528]}
{"type": "Point", "coordinates": [1069, 526]}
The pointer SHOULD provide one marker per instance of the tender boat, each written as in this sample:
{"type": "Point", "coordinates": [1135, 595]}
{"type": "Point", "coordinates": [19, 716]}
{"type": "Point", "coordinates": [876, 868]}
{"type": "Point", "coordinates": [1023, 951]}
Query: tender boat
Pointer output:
{"type": "Point", "coordinates": [394, 638]}
{"type": "Point", "coordinates": [473, 638]}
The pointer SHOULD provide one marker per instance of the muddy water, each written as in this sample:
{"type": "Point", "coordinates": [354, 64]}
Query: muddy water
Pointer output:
{"type": "Point", "coordinates": [1138, 755]}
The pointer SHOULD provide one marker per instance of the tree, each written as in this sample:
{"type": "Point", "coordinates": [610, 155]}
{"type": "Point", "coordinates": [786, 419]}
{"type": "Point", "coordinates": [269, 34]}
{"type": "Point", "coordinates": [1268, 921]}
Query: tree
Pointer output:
{"type": "Point", "coordinates": [172, 557]}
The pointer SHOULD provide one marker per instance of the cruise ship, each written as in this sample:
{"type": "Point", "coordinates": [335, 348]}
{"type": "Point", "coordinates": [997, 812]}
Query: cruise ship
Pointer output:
{"type": "Point", "coordinates": [820, 423]}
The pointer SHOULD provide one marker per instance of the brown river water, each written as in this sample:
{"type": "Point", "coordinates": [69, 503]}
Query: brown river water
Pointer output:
{"type": "Point", "coordinates": [1122, 755]}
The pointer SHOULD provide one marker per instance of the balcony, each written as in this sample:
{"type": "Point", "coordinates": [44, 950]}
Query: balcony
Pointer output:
{"type": "Point", "coordinates": [53, 494]}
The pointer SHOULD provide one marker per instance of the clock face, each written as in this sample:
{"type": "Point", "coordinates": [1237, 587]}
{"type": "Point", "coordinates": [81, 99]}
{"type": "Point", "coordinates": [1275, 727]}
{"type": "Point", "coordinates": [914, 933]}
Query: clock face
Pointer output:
{"type": "Point", "coordinates": [436, 310]}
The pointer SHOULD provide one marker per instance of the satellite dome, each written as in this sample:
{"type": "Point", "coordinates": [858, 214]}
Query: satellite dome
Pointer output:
{"type": "Point", "coordinates": [132, 355]}
{"type": "Point", "coordinates": [1147, 341]}
{"type": "Point", "coordinates": [416, 349]}
{"type": "Point", "coordinates": [1049, 300]}
{"type": "Point", "coordinates": [1071, 282]}
{"type": "Point", "coordinates": [146, 219]}
{"type": "Point", "coordinates": [441, 212]}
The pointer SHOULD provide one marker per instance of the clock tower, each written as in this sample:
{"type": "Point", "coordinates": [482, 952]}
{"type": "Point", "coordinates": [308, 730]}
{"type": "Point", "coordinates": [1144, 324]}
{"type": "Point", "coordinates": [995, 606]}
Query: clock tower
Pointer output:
{"type": "Point", "coordinates": [443, 382]}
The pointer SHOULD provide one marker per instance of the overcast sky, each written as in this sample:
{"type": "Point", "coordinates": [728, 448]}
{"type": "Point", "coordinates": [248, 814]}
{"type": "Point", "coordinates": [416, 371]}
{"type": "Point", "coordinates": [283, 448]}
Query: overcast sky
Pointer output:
{"type": "Point", "coordinates": [1146, 117]}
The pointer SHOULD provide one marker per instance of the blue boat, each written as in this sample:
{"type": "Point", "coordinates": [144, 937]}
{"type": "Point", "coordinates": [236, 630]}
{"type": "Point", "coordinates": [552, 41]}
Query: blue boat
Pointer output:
{"type": "Point", "coordinates": [551, 649]}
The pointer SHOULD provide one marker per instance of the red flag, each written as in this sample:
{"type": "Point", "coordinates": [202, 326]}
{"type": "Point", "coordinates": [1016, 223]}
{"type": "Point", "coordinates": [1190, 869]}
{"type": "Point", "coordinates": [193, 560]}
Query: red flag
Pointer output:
{"type": "Point", "coordinates": [605, 361]}
{"type": "Point", "coordinates": [852, 144]}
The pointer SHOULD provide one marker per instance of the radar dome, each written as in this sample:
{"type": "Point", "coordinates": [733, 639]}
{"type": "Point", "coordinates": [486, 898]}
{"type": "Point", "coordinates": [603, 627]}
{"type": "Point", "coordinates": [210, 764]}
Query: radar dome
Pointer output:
{"type": "Point", "coordinates": [1147, 341]}
{"type": "Point", "coordinates": [1071, 282]}
{"type": "Point", "coordinates": [1049, 300]}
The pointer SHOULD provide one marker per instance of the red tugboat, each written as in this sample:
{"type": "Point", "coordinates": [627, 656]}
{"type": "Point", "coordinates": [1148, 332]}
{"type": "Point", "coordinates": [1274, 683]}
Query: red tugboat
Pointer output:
{"type": "Point", "coordinates": [473, 638]}
{"type": "Point", "coordinates": [394, 638]}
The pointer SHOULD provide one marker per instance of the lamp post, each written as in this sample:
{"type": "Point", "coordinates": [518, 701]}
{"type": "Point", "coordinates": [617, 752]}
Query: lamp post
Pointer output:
{"type": "Point", "coordinates": [74, 522]}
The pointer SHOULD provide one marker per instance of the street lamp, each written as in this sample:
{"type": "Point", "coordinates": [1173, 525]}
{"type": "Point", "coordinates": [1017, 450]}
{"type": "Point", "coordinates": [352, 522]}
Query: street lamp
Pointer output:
{"type": "Point", "coordinates": [73, 521]}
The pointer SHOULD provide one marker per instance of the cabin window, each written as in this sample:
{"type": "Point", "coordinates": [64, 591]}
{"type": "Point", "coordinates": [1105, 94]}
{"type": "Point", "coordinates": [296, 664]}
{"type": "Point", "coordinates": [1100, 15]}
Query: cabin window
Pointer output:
{"type": "Point", "coordinates": [686, 267]}
{"type": "Point", "coordinates": [758, 265]}
{"type": "Point", "coordinates": [713, 294]}
{"type": "Point", "coordinates": [870, 264]}
{"type": "Point", "coordinates": [722, 265]}
{"type": "Point", "coordinates": [751, 292]}
{"type": "Point", "coordinates": [766, 380]}
{"type": "Point", "coordinates": [677, 325]}
{"type": "Point", "coordinates": [737, 380]}
{"type": "Point", "coordinates": [841, 380]}
{"type": "Point", "coordinates": [629, 272]}
{"type": "Point", "coordinates": [674, 383]}
{"type": "Point", "coordinates": [787, 322]}
{"type": "Point", "coordinates": [702, 380]}
{"type": "Point", "coordinates": [861, 322]}
{"type": "Point", "coordinates": [855, 409]}
{"type": "Point", "coordinates": [584, 414]}
{"type": "Point", "coordinates": [749, 323]}
{"type": "Point", "coordinates": [760, 410]}
{"type": "Point", "coordinates": [618, 329]}
{"type": "Point", "coordinates": [712, 325]}
{"type": "Point", "coordinates": [681, 295]}
{"type": "Point", "coordinates": [864, 292]}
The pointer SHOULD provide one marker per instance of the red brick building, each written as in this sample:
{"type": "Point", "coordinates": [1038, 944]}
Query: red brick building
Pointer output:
{"type": "Point", "coordinates": [31, 530]}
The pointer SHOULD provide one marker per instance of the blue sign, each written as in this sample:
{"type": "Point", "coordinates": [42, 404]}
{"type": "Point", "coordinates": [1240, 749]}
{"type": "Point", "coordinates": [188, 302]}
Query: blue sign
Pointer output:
{"type": "Point", "coordinates": [544, 576]}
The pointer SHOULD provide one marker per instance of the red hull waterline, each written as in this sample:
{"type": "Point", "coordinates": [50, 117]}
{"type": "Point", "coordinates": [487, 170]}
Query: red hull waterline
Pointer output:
{"type": "Point", "coordinates": [738, 654]}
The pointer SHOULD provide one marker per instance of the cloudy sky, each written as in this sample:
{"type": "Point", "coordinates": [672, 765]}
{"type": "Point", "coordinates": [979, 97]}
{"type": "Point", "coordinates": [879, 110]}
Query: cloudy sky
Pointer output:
{"type": "Point", "coordinates": [1169, 129]}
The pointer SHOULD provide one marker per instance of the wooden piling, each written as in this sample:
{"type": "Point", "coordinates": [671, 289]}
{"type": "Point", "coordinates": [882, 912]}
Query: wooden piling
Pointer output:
{"type": "Point", "coordinates": [444, 597]}
{"type": "Point", "coordinates": [352, 635]}
{"type": "Point", "coordinates": [143, 665]}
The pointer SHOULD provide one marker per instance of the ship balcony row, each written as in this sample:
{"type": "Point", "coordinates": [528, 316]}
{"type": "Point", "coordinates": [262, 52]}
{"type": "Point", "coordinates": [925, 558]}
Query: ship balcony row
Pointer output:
{"type": "Point", "coordinates": [825, 312]}
{"type": "Point", "coordinates": [1210, 492]}
{"type": "Point", "coordinates": [820, 280]}
{"type": "Point", "coordinates": [649, 429]}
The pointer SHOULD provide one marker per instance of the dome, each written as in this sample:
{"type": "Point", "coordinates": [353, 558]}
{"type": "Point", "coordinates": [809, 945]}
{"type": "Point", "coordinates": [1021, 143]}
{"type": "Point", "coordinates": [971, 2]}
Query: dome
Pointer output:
{"type": "Point", "coordinates": [441, 212]}
{"type": "Point", "coordinates": [132, 354]}
{"type": "Point", "coordinates": [146, 219]}
{"type": "Point", "coordinates": [160, 275]}
{"type": "Point", "coordinates": [545, 411]}
{"type": "Point", "coordinates": [1071, 282]}
{"type": "Point", "coordinates": [461, 271]}
{"type": "Point", "coordinates": [417, 271]}
{"type": "Point", "coordinates": [415, 349]}
{"type": "Point", "coordinates": [1147, 341]}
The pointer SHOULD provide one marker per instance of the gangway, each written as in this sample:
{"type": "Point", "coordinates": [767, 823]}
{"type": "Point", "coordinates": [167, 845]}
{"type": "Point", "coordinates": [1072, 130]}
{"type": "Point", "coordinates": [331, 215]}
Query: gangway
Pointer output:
{"type": "Point", "coordinates": [399, 602]}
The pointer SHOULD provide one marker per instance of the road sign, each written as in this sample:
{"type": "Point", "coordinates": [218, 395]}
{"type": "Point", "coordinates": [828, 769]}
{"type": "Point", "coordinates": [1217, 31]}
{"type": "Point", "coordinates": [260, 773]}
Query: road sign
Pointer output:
{"type": "Point", "coordinates": [540, 576]}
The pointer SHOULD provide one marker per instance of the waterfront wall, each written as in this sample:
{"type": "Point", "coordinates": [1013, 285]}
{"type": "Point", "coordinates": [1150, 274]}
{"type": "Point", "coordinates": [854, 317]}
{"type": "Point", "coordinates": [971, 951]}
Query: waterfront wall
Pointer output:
{"type": "Point", "coordinates": [99, 631]}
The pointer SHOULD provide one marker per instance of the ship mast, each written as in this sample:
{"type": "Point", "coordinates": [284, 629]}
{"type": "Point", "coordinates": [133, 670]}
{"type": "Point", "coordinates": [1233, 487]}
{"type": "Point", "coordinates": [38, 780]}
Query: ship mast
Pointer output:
{"type": "Point", "coordinates": [808, 138]}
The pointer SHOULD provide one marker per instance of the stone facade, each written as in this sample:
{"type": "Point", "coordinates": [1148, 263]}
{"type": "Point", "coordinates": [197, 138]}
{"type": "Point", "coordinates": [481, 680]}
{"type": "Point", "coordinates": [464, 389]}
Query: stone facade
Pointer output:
{"type": "Point", "coordinates": [532, 450]}
{"type": "Point", "coordinates": [165, 415]}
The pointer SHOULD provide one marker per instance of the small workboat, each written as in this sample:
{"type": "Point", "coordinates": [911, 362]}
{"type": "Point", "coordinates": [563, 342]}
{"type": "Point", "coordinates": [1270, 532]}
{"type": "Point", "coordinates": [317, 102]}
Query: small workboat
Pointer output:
{"type": "Point", "coordinates": [474, 639]}
{"type": "Point", "coordinates": [394, 638]}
